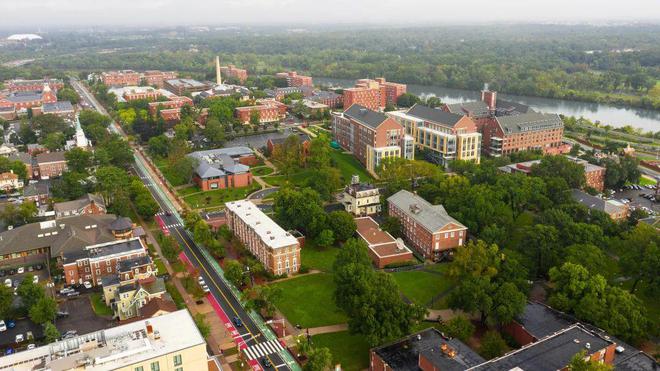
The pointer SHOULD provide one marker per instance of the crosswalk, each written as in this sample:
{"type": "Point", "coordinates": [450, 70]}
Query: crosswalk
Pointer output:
{"type": "Point", "coordinates": [263, 349]}
{"type": "Point", "coordinates": [174, 225]}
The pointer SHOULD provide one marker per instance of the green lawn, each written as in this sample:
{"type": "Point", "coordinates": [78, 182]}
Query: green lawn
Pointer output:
{"type": "Point", "coordinates": [349, 166]}
{"type": "Point", "coordinates": [160, 266]}
{"type": "Point", "coordinates": [308, 301]}
{"type": "Point", "coordinates": [261, 170]}
{"type": "Point", "coordinates": [351, 351]}
{"type": "Point", "coordinates": [314, 257]}
{"type": "Point", "coordinates": [421, 286]}
{"type": "Point", "coordinates": [99, 305]}
{"type": "Point", "coordinates": [297, 179]}
{"type": "Point", "coordinates": [175, 294]}
{"type": "Point", "coordinates": [219, 196]}
{"type": "Point", "coordinates": [646, 181]}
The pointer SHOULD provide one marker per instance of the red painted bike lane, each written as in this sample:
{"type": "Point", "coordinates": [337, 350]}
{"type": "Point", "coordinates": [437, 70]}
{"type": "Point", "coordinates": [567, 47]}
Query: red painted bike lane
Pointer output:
{"type": "Point", "coordinates": [238, 339]}
{"type": "Point", "coordinates": [162, 226]}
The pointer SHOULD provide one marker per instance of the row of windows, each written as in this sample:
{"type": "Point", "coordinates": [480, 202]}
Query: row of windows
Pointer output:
{"type": "Point", "coordinates": [155, 366]}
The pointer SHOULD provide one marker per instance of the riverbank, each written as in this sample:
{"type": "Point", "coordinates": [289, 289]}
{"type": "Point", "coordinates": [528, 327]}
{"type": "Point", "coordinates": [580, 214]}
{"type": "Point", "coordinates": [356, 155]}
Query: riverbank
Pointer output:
{"type": "Point", "coordinates": [615, 116]}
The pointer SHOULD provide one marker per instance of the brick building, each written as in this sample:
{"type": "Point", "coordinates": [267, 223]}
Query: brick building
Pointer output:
{"type": "Point", "coordinates": [141, 92]}
{"type": "Point", "coordinates": [445, 136]}
{"type": "Point", "coordinates": [293, 79]}
{"type": "Point", "coordinates": [383, 248]}
{"type": "Point", "coordinates": [183, 86]}
{"type": "Point", "coordinates": [63, 109]}
{"type": "Point", "coordinates": [158, 78]}
{"type": "Point", "coordinates": [223, 168]}
{"type": "Point", "coordinates": [432, 232]}
{"type": "Point", "coordinates": [50, 164]}
{"type": "Point", "coordinates": [275, 248]}
{"type": "Point", "coordinates": [507, 127]}
{"type": "Point", "coordinates": [33, 85]}
{"type": "Point", "coordinates": [269, 110]}
{"type": "Point", "coordinates": [594, 174]}
{"type": "Point", "coordinates": [170, 110]}
{"type": "Point", "coordinates": [371, 136]}
{"type": "Point", "coordinates": [20, 100]}
{"type": "Point", "coordinates": [373, 94]}
{"type": "Point", "coordinates": [234, 73]}
{"type": "Point", "coordinates": [280, 93]}
{"type": "Point", "coordinates": [26, 159]}
{"type": "Point", "coordinates": [120, 78]}
{"type": "Point", "coordinates": [87, 204]}
{"type": "Point", "coordinates": [616, 210]}
{"type": "Point", "coordinates": [273, 143]}
{"type": "Point", "coordinates": [329, 98]}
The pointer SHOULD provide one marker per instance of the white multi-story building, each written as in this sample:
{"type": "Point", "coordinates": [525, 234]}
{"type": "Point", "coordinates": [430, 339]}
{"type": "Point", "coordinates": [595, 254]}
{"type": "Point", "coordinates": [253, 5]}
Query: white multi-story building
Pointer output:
{"type": "Point", "coordinates": [170, 342]}
{"type": "Point", "coordinates": [361, 199]}
{"type": "Point", "coordinates": [277, 249]}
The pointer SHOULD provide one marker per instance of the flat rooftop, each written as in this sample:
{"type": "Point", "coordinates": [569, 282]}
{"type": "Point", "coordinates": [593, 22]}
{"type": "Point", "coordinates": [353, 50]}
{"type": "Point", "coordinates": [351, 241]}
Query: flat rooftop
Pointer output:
{"type": "Point", "coordinates": [113, 348]}
{"type": "Point", "coordinates": [270, 232]}
{"type": "Point", "coordinates": [380, 242]}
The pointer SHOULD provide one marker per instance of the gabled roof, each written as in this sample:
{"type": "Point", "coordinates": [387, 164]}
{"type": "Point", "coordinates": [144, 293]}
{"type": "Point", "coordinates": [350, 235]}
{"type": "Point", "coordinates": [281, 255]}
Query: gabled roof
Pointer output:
{"type": "Point", "coordinates": [50, 157]}
{"type": "Point", "coordinates": [434, 115]}
{"type": "Point", "coordinates": [431, 217]}
{"type": "Point", "coordinates": [511, 107]}
{"type": "Point", "coordinates": [365, 116]}
{"type": "Point", "coordinates": [529, 122]}
{"type": "Point", "coordinates": [61, 106]}
{"type": "Point", "coordinates": [597, 203]}
{"type": "Point", "coordinates": [78, 204]}
{"type": "Point", "coordinates": [475, 108]}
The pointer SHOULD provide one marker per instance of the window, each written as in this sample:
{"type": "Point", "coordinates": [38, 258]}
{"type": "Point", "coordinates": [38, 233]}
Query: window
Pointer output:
{"type": "Point", "coordinates": [177, 360]}
{"type": "Point", "coordinates": [139, 368]}
{"type": "Point", "coordinates": [178, 369]}
{"type": "Point", "coordinates": [155, 366]}
{"type": "Point", "coordinates": [446, 235]}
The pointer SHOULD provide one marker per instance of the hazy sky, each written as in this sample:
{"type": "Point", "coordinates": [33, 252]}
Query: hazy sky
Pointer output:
{"type": "Point", "coordinates": [28, 13]}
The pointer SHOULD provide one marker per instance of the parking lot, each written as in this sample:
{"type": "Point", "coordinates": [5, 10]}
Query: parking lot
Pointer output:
{"type": "Point", "coordinates": [12, 277]}
{"type": "Point", "coordinates": [81, 316]}
{"type": "Point", "coordinates": [636, 200]}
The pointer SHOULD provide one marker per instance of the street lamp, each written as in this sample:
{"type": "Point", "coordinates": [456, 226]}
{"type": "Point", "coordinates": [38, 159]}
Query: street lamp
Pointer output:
{"type": "Point", "coordinates": [281, 320]}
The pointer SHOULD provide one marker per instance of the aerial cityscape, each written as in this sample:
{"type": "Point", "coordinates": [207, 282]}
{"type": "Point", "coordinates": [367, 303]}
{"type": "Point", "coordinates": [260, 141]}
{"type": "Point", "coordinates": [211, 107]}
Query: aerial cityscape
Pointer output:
{"type": "Point", "coordinates": [362, 185]}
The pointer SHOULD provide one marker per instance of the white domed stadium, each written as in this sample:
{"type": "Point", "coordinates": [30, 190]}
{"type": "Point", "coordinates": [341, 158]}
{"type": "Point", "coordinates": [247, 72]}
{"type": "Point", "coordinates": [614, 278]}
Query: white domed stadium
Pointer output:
{"type": "Point", "coordinates": [24, 37]}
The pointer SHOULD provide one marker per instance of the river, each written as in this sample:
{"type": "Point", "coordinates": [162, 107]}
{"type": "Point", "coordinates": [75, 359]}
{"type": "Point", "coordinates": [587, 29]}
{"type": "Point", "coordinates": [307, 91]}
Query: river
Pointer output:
{"type": "Point", "coordinates": [645, 119]}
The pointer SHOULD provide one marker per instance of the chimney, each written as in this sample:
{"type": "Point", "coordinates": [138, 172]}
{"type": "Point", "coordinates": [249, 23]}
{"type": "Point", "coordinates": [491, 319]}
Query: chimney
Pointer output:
{"type": "Point", "coordinates": [150, 329]}
{"type": "Point", "coordinates": [355, 179]}
{"type": "Point", "coordinates": [218, 76]}
{"type": "Point", "coordinates": [489, 97]}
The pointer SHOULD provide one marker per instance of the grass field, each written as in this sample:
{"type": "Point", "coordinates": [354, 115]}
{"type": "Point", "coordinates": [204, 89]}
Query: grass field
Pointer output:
{"type": "Point", "coordinates": [421, 286]}
{"type": "Point", "coordinates": [99, 305]}
{"type": "Point", "coordinates": [308, 301]}
{"type": "Point", "coordinates": [219, 196]}
{"type": "Point", "coordinates": [261, 170]}
{"type": "Point", "coordinates": [314, 257]}
{"type": "Point", "coordinates": [349, 166]}
{"type": "Point", "coordinates": [351, 351]}
{"type": "Point", "coordinates": [160, 266]}
{"type": "Point", "coordinates": [297, 179]}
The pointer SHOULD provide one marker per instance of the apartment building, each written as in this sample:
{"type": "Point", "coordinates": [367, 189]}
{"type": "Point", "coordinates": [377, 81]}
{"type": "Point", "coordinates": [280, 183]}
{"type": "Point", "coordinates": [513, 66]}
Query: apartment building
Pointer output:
{"type": "Point", "coordinates": [277, 249]}
{"type": "Point", "coordinates": [223, 168]}
{"type": "Point", "coordinates": [33, 85]}
{"type": "Point", "coordinates": [170, 342]}
{"type": "Point", "coordinates": [50, 164]}
{"type": "Point", "coordinates": [269, 110]}
{"type": "Point", "coordinates": [170, 110]}
{"type": "Point", "coordinates": [361, 199]}
{"type": "Point", "coordinates": [183, 86]}
{"type": "Point", "coordinates": [371, 136]}
{"type": "Point", "coordinates": [445, 136]}
{"type": "Point", "coordinates": [507, 127]}
{"type": "Point", "coordinates": [158, 78]}
{"type": "Point", "coordinates": [373, 94]}
{"type": "Point", "coordinates": [293, 79]}
{"type": "Point", "coordinates": [594, 174]}
{"type": "Point", "coordinates": [120, 78]}
{"type": "Point", "coordinates": [234, 72]}
{"type": "Point", "coordinates": [432, 232]}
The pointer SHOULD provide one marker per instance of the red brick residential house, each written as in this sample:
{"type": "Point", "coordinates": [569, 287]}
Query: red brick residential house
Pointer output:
{"type": "Point", "coordinates": [374, 94]}
{"type": "Point", "coordinates": [305, 143]}
{"type": "Point", "coordinates": [120, 78]}
{"type": "Point", "coordinates": [371, 136]}
{"type": "Point", "coordinates": [293, 79]}
{"type": "Point", "coordinates": [432, 232]}
{"type": "Point", "coordinates": [269, 110]}
{"type": "Point", "coordinates": [383, 248]}
{"type": "Point", "coordinates": [223, 168]}
{"type": "Point", "coordinates": [50, 164]}
{"type": "Point", "coordinates": [87, 204]}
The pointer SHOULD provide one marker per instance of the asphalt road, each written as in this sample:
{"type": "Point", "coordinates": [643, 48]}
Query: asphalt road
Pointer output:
{"type": "Point", "coordinates": [249, 331]}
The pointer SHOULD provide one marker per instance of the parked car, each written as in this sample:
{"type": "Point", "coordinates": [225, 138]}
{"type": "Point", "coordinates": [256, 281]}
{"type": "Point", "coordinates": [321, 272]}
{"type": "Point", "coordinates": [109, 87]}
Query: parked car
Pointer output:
{"type": "Point", "coordinates": [30, 268]}
{"type": "Point", "coordinates": [12, 272]}
{"type": "Point", "coordinates": [73, 293]}
{"type": "Point", "coordinates": [66, 290]}
{"type": "Point", "coordinates": [29, 335]}
{"type": "Point", "coordinates": [20, 338]}
{"type": "Point", "coordinates": [20, 270]}
{"type": "Point", "coordinates": [206, 289]}
{"type": "Point", "coordinates": [38, 267]}
{"type": "Point", "coordinates": [35, 279]}
{"type": "Point", "coordinates": [62, 313]}
{"type": "Point", "coordinates": [9, 351]}
{"type": "Point", "coordinates": [87, 284]}
{"type": "Point", "coordinates": [2, 273]}
{"type": "Point", "coordinates": [3, 326]}
{"type": "Point", "coordinates": [8, 282]}
{"type": "Point", "coordinates": [11, 323]}
{"type": "Point", "coordinates": [237, 322]}
{"type": "Point", "coordinates": [31, 346]}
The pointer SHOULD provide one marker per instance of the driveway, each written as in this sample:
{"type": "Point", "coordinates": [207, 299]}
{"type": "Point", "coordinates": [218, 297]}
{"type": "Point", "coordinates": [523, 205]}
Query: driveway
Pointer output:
{"type": "Point", "coordinates": [263, 193]}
